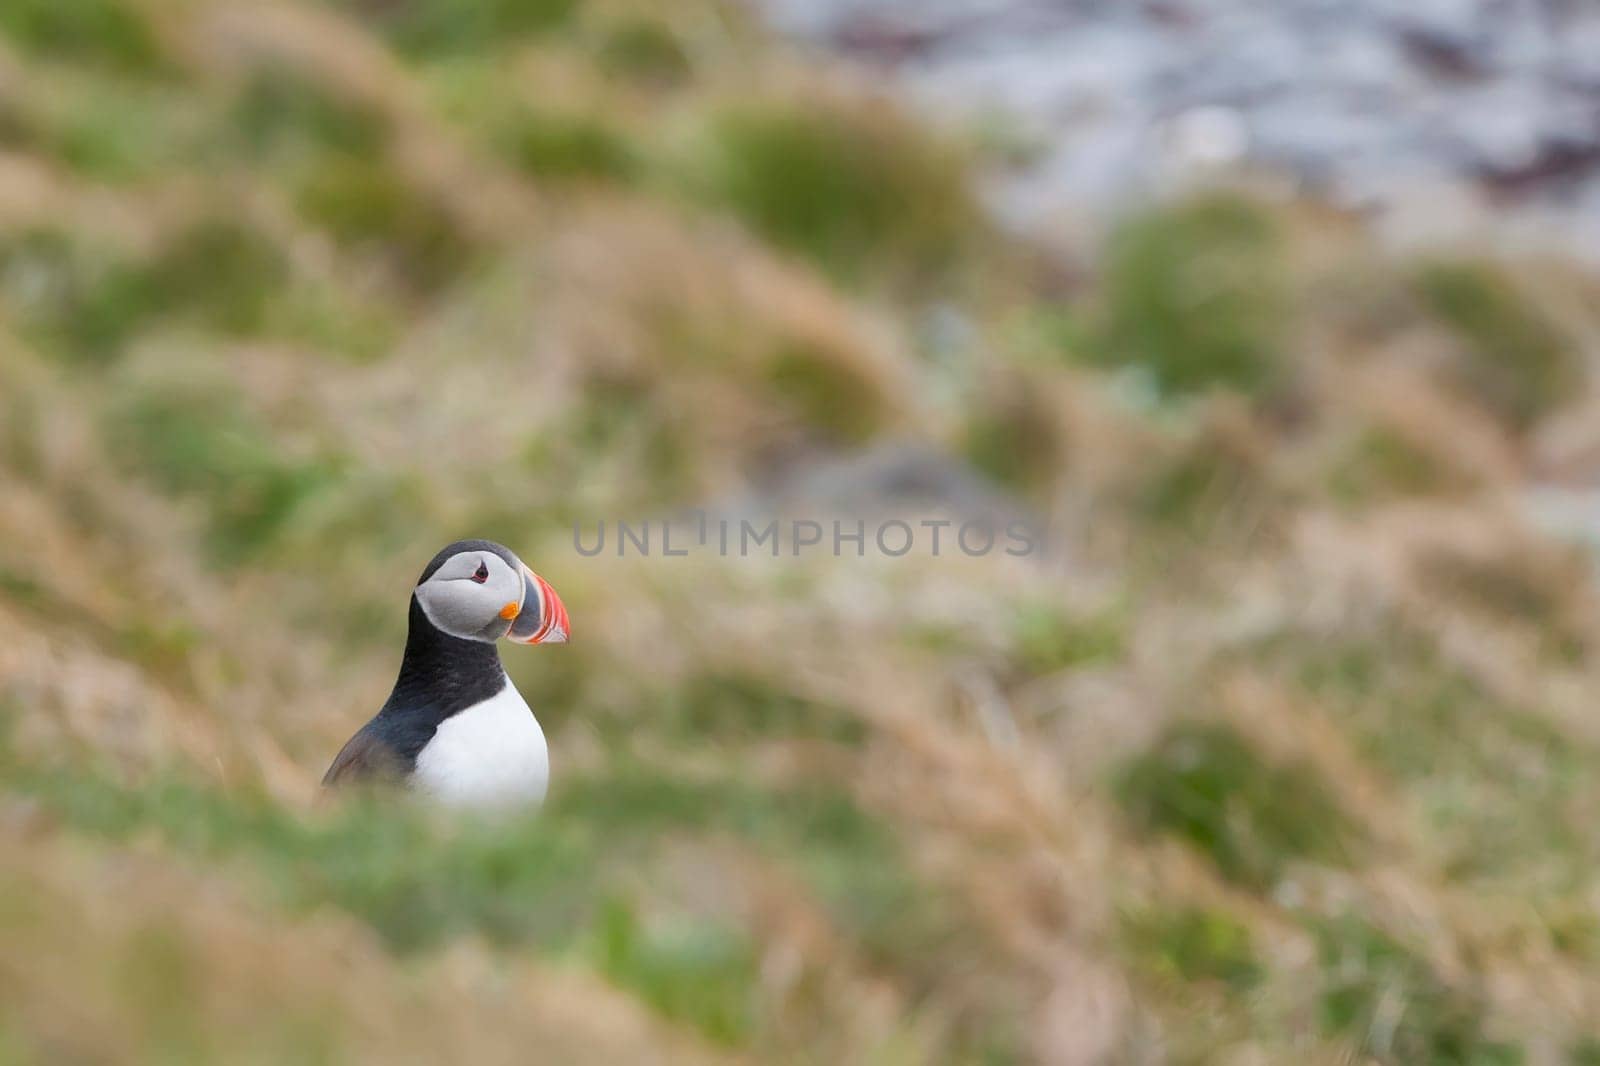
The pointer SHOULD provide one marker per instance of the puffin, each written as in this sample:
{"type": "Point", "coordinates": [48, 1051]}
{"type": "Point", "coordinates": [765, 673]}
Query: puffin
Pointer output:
{"type": "Point", "coordinates": [455, 729]}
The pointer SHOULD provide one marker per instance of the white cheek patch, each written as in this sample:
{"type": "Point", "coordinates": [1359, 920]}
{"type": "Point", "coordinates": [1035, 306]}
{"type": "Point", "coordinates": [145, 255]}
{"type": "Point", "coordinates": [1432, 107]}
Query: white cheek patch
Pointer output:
{"type": "Point", "coordinates": [425, 601]}
{"type": "Point", "coordinates": [451, 610]}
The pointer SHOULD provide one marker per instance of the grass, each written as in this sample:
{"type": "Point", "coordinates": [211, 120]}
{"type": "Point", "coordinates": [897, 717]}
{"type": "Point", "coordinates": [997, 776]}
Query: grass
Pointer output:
{"type": "Point", "coordinates": [1194, 945]}
{"type": "Point", "coordinates": [1191, 296]}
{"type": "Point", "coordinates": [437, 29]}
{"type": "Point", "coordinates": [1495, 784]}
{"type": "Point", "coordinates": [1203, 783]}
{"type": "Point", "coordinates": [1585, 1052]}
{"type": "Point", "coordinates": [636, 798]}
{"type": "Point", "coordinates": [87, 303]}
{"type": "Point", "coordinates": [417, 884]}
{"type": "Point", "coordinates": [225, 272]}
{"type": "Point", "coordinates": [551, 145]}
{"type": "Point", "coordinates": [255, 366]}
{"type": "Point", "coordinates": [1212, 489]}
{"type": "Point", "coordinates": [850, 189]}
{"type": "Point", "coordinates": [420, 881]}
{"type": "Point", "coordinates": [840, 404]}
{"type": "Point", "coordinates": [74, 300]}
{"type": "Point", "coordinates": [1542, 590]}
{"type": "Point", "coordinates": [281, 113]}
{"type": "Point", "coordinates": [555, 883]}
{"type": "Point", "coordinates": [20, 130]}
{"type": "Point", "coordinates": [645, 51]}
{"type": "Point", "coordinates": [201, 443]}
{"type": "Point", "coordinates": [1394, 1007]}
{"type": "Point", "coordinates": [1516, 361]}
{"type": "Point", "coordinates": [109, 130]}
{"type": "Point", "coordinates": [741, 706]}
{"type": "Point", "coordinates": [375, 214]}
{"type": "Point", "coordinates": [103, 34]}
{"type": "Point", "coordinates": [1016, 440]}
{"type": "Point", "coordinates": [697, 971]}
{"type": "Point", "coordinates": [850, 859]}
{"type": "Point", "coordinates": [1048, 639]}
{"type": "Point", "coordinates": [1380, 465]}
{"type": "Point", "coordinates": [614, 419]}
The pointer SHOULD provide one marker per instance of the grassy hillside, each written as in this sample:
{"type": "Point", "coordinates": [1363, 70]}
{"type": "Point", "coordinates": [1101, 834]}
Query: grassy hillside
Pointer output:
{"type": "Point", "coordinates": [1287, 753]}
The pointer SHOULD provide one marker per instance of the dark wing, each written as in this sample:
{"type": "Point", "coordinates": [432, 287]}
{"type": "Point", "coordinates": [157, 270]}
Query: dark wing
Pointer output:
{"type": "Point", "coordinates": [366, 757]}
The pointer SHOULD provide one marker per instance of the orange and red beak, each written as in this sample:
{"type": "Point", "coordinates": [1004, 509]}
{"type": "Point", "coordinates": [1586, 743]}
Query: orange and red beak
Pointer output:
{"type": "Point", "coordinates": [543, 617]}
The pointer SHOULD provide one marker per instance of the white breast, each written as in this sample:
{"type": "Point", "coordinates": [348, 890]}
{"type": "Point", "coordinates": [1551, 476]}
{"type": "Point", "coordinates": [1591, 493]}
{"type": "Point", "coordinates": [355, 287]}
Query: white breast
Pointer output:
{"type": "Point", "coordinates": [492, 754]}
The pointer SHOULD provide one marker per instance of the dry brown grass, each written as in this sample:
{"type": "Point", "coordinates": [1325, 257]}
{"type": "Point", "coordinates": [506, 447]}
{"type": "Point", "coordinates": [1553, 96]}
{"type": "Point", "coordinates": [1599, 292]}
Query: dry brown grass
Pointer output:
{"type": "Point", "coordinates": [119, 956]}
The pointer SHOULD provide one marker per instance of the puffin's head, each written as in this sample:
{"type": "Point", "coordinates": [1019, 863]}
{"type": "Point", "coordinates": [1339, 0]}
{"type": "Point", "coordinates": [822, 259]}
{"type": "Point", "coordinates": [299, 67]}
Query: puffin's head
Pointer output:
{"type": "Point", "coordinates": [479, 590]}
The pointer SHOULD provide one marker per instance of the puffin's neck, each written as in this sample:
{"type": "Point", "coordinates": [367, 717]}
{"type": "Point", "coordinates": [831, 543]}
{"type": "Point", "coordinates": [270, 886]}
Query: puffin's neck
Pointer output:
{"type": "Point", "coordinates": [441, 674]}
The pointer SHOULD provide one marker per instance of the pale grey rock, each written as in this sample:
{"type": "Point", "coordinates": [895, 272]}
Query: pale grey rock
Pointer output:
{"type": "Point", "coordinates": [1366, 101]}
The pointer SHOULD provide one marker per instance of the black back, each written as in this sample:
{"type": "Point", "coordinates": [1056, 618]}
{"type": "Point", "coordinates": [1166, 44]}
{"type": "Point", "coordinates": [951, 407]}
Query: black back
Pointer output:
{"type": "Point", "coordinates": [440, 675]}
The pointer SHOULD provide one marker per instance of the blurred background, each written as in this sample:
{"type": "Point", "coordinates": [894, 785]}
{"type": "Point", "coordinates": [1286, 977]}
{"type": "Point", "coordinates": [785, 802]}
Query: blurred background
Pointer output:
{"type": "Point", "coordinates": [1283, 317]}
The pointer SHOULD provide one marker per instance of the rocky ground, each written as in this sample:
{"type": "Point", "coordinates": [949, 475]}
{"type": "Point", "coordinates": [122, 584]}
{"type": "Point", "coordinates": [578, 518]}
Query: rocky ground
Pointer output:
{"type": "Point", "coordinates": [1440, 119]}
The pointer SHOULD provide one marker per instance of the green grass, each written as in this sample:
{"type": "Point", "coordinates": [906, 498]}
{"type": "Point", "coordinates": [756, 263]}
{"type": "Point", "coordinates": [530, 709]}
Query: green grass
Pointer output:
{"type": "Point", "coordinates": [110, 131]}
{"type": "Point", "coordinates": [697, 971]}
{"type": "Point", "coordinates": [1585, 1052]}
{"type": "Point", "coordinates": [85, 303]}
{"type": "Point", "coordinates": [104, 34]}
{"type": "Point", "coordinates": [1381, 466]}
{"type": "Point", "coordinates": [742, 706]}
{"type": "Point", "coordinates": [1203, 783]}
{"type": "Point", "coordinates": [850, 189]}
{"type": "Point", "coordinates": [615, 424]}
{"type": "Point", "coordinates": [1517, 363]}
{"type": "Point", "coordinates": [1192, 297]}
{"type": "Point", "coordinates": [1390, 1003]}
{"type": "Point", "coordinates": [1194, 945]}
{"type": "Point", "coordinates": [163, 644]}
{"type": "Point", "coordinates": [643, 50]}
{"type": "Point", "coordinates": [851, 860]}
{"type": "Point", "coordinates": [554, 145]}
{"type": "Point", "coordinates": [634, 798]}
{"type": "Point", "coordinates": [840, 404]}
{"type": "Point", "coordinates": [200, 443]}
{"type": "Point", "coordinates": [338, 322]}
{"type": "Point", "coordinates": [75, 300]}
{"type": "Point", "coordinates": [14, 1050]}
{"type": "Point", "coordinates": [1213, 490]}
{"type": "Point", "coordinates": [1501, 791]}
{"type": "Point", "coordinates": [1047, 638]}
{"type": "Point", "coordinates": [434, 29]}
{"type": "Point", "coordinates": [375, 214]}
{"type": "Point", "coordinates": [281, 113]}
{"type": "Point", "coordinates": [554, 883]}
{"type": "Point", "coordinates": [1015, 441]}
{"type": "Point", "coordinates": [22, 590]}
{"type": "Point", "coordinates": [223, 272]}
{"type": "Point", "coordinates": [417, 883]}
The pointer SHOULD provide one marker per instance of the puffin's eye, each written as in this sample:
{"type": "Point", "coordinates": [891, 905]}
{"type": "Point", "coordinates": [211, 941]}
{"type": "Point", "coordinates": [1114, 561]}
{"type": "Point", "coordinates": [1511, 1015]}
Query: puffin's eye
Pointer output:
{"type": "Point", "coordinates": [482, 573]}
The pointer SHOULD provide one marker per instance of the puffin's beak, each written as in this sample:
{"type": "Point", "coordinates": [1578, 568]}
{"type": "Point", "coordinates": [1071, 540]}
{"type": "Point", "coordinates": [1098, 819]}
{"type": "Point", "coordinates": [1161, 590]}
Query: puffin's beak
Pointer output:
{"type": "Point", "coordinates": [543, 618]}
